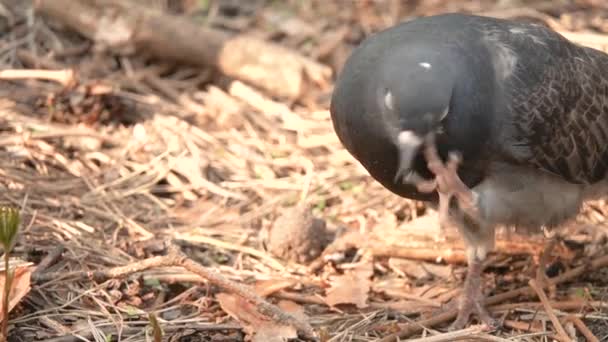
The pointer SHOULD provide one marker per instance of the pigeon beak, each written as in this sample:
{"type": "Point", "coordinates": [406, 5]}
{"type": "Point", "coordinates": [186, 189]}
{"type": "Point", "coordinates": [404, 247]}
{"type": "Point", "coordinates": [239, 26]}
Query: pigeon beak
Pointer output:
{"type": "Point", "coordinates": [408, 144]}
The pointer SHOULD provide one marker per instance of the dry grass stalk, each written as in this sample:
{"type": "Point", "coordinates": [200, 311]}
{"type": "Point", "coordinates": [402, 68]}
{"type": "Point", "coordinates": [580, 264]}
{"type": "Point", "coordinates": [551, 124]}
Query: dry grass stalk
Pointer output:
{"type": "Point", "coordinates": [562, 335]}
{"type": "Point", "coordinates": [580, 325]}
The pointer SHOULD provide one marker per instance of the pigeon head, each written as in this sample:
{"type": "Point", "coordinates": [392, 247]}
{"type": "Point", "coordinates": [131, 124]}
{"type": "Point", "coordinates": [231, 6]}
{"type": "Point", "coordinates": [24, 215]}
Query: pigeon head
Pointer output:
{"type": "Point", "coordinates": [400, 87]}
{"type": "Point", "coordinates": [413, 91]}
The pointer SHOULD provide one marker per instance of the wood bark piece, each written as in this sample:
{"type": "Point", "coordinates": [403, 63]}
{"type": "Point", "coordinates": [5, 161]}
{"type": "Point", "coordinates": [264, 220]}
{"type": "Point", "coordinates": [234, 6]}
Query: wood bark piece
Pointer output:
{"type": "Point", "coordinates": [126, 28]}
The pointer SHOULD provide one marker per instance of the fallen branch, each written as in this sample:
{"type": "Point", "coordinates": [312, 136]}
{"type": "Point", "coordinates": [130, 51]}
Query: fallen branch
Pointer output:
{"type": "Point", "coordinates": [177, 259]}
{"type": "Point", "coordinates": [126, 27]}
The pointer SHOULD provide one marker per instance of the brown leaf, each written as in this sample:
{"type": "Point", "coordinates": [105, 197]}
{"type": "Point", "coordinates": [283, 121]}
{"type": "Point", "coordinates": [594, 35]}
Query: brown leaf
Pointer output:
{"type": "Point", "coordinates": [265, 288]}
{"type": "Point", "coordinates": [269, 332]}
{"type": "Point", "coordinates": [418, 269]}
{"type": "Point", "coordinates": [19, 287]}
{"type": "Point", "coordinates": [352, 287]}
{"type": "Point", "coordinates": [293, 308]}
{"type": "Point", "coordinates": [261, 328]}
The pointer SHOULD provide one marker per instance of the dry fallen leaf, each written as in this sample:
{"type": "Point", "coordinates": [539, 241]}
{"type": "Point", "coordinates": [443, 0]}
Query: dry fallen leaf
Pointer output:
{"type": "Point", "coordinates": [293, 308]}
{"type": "Point", "coordinates": [19, 287]}
{"type": "Point", "coordinates": [265, 288]}
{"type": "Point", "coordinates": [259, 327]}
{"type": "Point", "coordinates": [352, 287]}
{"type": "Point", "coordinates": [418, 269]}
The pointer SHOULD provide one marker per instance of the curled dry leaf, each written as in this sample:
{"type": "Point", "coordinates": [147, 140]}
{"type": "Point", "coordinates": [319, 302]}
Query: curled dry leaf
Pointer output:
{"type": "Point", "coordinates": [352, 287]}
{"type": "Point", "coordinates": [19, 288]}
{"type": "Point", "coordinates": [265, 288]}
{"type": "Point", "coordinates": [256, 325]}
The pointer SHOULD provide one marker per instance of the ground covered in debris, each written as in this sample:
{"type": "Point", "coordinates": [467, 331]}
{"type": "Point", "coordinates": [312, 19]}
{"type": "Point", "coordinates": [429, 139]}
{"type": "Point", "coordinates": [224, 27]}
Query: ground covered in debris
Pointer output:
{"type": "Point", "coordinates": [153, 189]}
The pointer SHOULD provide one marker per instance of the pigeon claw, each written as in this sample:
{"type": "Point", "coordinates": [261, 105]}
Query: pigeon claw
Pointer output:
{"type": "Point", "coordinates": [469, 304]}
{"type": "Point", "coordinates": [447, 183]}
{"type": "Point", "coordinates": [471, 301]}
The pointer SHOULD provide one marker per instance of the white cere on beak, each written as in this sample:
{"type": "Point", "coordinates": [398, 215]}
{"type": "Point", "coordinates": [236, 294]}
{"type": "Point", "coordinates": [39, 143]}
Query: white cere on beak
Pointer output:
{"type": "Point", "coordinates": [425, 65]}
{"type": "Point", "coordinates": [409, 138]}
{"type": "Point", "coordinates": [389, 101]}
{"type": "Point", "coordinates": [445, 113]}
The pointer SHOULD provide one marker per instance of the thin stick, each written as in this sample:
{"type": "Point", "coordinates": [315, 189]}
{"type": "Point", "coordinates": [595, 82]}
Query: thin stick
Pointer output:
{"type": "Point", "coordinates": [524, 326]}
{"type": "Point", "coordinates": [64, 77]}
{"type": "Point", "coordinates": [416, 327]}
{"type": "Point", "coordinates": [580, 325]}
{"type": "Point", "coordinates": [177, 259]}
{"type": "Point", "coordinates": [548, 309]}
{"type": "Point", "coordinates": [563, 305]}
{"type": "Point", "coordinates": [270, 261]}
{"type": "Point", "coordinates": [48, 260]}
{"type": "Point", "coordinates": [452, 335]}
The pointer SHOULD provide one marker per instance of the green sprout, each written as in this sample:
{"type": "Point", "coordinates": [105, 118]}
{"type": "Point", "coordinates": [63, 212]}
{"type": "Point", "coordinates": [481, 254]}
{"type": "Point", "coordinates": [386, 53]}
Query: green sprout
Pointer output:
{"type": "Point", "coordinates": [9, 227]}
{"type": "Point", "coordinates": [156, 328]}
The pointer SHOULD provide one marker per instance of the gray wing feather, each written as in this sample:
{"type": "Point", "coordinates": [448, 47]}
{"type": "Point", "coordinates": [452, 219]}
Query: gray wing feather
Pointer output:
{"type": "Point", "coordinates": [558, 101]}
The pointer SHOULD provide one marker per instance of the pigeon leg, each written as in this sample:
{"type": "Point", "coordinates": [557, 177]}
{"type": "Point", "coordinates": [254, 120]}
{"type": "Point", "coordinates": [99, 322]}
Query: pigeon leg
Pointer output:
{"type": "Point", "coordinates": [472, 299]}
{"type": "Point", "coordinates": [479, 238]}
{"type": "Point", "coordinates": [541, 275]}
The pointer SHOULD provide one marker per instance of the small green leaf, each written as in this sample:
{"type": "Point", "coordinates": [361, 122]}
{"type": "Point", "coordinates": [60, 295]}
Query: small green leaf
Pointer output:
{"type": "Point", "coordinates": [358, 189]}
{"type": "Point", "coordinates": [203, 4]}
{"type": "Point", "coordinates": [152, 282]}
{"type": "Point", "coordinates": [220, 258]}
{"type": "Point", "coordinates": [346, 185]}
{"type": "Point", "coordinates": [9, 227]}
{"type": "Point", "coordinates": [291, 201]}
{"type": "Point", "coordinates": [278, 154]}
{"type": "Point", "coordinates": [157, 330]}
{"type": "Point", "coordinates": [322, 204]}
{"type": "Point", "coordinates": [132, 311]}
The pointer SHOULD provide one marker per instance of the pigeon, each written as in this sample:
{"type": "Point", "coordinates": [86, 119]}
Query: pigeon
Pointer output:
{"type": "Point", "coordinates": [497, 122]}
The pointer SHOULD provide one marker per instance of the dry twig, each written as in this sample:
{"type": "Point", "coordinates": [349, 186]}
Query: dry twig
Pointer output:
{"type": "Point", "coordinates": [177, 259]}
{"type": "Point", "coordinates": [548, 309]}
{"type": "Point", "coordinates": [64, 77]}
{"type": "Point", "coordinates": [580, 325]}
{"type": "Point", "coordinates": [126, 26]}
